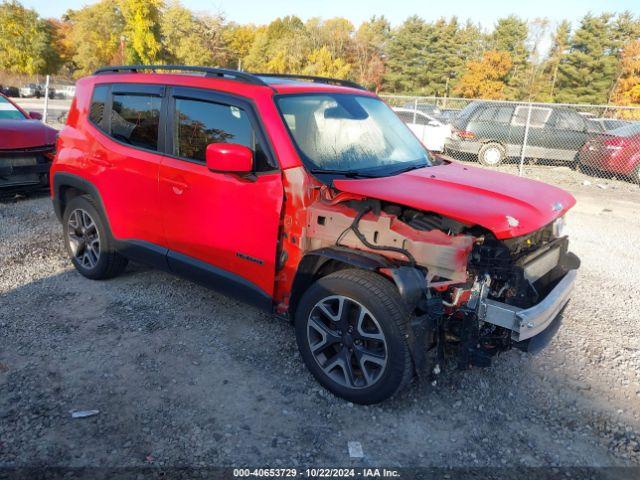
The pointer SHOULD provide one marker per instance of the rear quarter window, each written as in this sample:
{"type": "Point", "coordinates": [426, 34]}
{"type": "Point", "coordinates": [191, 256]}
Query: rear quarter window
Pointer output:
{"type": "Point", "coordinates": [568, 120]}
{"type": "Point", "coordinates": [98, 105]}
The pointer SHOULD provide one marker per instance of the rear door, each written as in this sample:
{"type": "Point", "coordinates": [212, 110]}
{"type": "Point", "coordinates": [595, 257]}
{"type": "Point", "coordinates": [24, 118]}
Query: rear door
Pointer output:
{"type": "Point", "coordinates": [222, 228]}
{"type": "Point", "coordinates": [491, 123]}
{"type": "Point", "coordinates": [568, 131]}
{"type": "Point", "coordinates": [538, 137]}
{"type": "Point", "coordinates": [125, 158]}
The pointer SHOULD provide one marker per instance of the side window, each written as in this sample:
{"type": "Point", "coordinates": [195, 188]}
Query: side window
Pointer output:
{"type": "Point", "coordinates": [539, 116]}
{"type": "Point", "coordinates": [486, 114]}
{"type": "Point", "coordinates": [503, 114]}
{"type": "Point", "coordinates": [98, 105]}
{"type": "Point", "coordinates": [495, 114]}
{"type": "Point", "coordinates": [199, 123]}
{"type": "Point", "coordinates": [567, 120]}
{"type": "Point", "coordinates": [135, 119]}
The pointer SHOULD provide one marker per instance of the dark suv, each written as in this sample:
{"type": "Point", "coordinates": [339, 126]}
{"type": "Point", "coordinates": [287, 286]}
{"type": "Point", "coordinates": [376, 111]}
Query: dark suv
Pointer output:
{"type": "Point", "coordinates": [311, 199]}
{"type": "Point", "coordinates": [495, 131]}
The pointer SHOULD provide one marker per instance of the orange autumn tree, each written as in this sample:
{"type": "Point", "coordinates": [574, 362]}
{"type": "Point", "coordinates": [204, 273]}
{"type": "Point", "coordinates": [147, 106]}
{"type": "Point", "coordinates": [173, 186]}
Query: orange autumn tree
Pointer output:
{"type": "Point", "coordinates": [627, 88]}
{"type": "Point", "coordinates": [486, 78]}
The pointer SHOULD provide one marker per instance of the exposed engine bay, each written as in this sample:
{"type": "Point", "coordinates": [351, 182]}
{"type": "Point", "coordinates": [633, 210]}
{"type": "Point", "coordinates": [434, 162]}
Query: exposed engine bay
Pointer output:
{"type": "Point", "coordinates": [464, 267]}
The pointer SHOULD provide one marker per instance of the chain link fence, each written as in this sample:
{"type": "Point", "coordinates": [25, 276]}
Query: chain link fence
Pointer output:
{"type": "Point", "coordinates": [558, 143]}
{"type": "Point", "coordinates": [561, 144]}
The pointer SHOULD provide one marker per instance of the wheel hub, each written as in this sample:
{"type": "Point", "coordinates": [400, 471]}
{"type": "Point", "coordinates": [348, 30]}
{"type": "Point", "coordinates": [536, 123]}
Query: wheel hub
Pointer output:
{"type": "Point", "coordinates": [83, 238]}
{"type": "Point", "coordinates": [347, 342]}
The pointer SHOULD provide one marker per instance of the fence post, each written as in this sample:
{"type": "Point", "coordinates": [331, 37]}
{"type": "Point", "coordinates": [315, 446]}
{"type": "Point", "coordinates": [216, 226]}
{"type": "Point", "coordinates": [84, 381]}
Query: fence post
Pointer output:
{"type": "Point", "coordinates": [46, 100]}
{"type": "Point", "coordinates": [415, 110]}
{"type": "Point", "coordinates": [526, 138]}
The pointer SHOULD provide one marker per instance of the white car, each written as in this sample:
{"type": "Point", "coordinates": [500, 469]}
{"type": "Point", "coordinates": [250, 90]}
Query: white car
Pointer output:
{"type": "Point", "coordinates": [431, 131]}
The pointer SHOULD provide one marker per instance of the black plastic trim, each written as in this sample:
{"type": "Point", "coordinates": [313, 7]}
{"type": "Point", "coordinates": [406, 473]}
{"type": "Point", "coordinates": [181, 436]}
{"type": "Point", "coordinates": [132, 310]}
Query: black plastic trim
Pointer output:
{"type": "Point", "coordinates": [208, 71]}
{"type": "Point", "coordinates": [61, 179]}
{"type": "Point", "coordinates": [219, 279]}
{"type": "Point", "coordinates": [410, 281]}
{"type": "Point", "coordinates": [312, 78]}
{"type": "Point", "coordinates": [144, 252]}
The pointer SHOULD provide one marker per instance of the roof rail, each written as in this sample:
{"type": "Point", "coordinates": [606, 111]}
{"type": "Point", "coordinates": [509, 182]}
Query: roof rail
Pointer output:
{"type": "Point", "coordinates": [312, 78]}
{"type": "Point", "coordinates": [208, 72]}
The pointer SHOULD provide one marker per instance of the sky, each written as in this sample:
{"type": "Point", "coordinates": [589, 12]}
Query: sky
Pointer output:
{"type": "Point", "coordinates": [484, 12]}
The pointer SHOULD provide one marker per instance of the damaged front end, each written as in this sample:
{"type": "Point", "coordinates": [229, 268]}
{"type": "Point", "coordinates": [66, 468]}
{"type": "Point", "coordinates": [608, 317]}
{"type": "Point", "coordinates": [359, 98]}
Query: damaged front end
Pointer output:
{"type": "Point", "coordinates": [470, 294]}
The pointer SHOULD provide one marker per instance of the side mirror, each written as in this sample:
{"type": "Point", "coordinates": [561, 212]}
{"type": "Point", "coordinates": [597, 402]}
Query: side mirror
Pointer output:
{"type": "Point", "coordinates": [229, 158]}
{"type": "Point", "coordinates": [35, 115]}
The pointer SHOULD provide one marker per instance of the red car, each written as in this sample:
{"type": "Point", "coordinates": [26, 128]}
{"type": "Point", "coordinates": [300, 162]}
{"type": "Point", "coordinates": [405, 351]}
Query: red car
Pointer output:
{"type": "Point", "coordinates": [615, 151]}
{"type": "Point", "coordinates": [26, 146]}
{"type": "Point", "coordinates": [311, 199]}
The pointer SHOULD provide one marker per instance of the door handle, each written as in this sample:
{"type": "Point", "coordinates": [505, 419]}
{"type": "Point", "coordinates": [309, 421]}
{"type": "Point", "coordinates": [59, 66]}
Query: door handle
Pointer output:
{"type": "Point", "coordinates": [178, 187]}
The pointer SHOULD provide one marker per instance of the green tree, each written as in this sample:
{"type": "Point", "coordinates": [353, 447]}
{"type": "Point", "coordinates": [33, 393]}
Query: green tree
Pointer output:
{"type": "Point", "coordinates": [451, 46]}
{"type": "Point", "coordinates": [468, 43]}
{"type": "Point", "coordinates": [406, 62]}
{"type": "Point", "coordinates": [587, 73]}
{"type": "Point", "coordinates": [557, 52]}
{"type": "Point", "coordinates": [25, 41]}
{"type": "Point", "coordinates": [510, 35]}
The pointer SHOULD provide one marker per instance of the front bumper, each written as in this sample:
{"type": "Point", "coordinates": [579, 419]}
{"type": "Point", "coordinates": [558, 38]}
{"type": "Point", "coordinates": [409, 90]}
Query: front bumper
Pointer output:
{"type": "Point", "coordinates": [24, 167]}
{"type": "Point", "coordinates": [526, 323]}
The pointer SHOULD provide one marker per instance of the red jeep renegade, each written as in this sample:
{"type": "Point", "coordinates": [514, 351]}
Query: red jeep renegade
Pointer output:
{"type": "Point", "coordinates": [310, 198]}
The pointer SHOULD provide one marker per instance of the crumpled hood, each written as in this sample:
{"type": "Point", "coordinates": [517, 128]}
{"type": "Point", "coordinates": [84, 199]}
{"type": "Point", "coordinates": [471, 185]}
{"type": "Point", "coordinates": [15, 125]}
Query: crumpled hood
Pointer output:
{"type": "Point", "coordinates": [16, 134]}
{"type": "Point", "coordinates": [470, 195]}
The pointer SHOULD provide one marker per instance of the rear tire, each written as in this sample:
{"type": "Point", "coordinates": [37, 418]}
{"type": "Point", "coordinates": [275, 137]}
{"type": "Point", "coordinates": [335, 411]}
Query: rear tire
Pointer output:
{"type": "Point", "coordinates": [491, 154]}
{"type": "Point", "coordinates": [88, 242]}
{"type": "Point", "coordinates": [351, 329]}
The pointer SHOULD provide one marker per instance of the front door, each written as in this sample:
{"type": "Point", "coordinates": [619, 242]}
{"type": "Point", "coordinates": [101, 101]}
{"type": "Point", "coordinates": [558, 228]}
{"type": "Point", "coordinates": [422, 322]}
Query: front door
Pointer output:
{"type": "Point", "coordinates": [219, 227]}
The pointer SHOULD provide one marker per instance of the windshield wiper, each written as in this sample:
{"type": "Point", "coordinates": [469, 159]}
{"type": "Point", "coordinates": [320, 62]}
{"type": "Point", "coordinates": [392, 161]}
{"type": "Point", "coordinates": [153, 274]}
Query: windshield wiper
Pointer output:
{"type": "Point", "coordinates": [408, 169]}
{"type": "Point", "coordinates": [346, 173]}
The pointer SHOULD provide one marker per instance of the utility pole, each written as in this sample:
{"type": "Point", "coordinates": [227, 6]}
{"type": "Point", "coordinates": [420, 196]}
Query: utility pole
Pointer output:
{"type": "Point", "coordinates": [123, 40]}
{"type": "Point", "coordinates": [46, 99]}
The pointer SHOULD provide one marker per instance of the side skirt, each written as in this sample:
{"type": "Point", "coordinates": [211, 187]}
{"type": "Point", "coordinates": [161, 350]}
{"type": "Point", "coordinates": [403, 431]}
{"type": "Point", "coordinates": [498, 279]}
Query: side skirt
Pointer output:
{"type": "Point", "coordinates": [196, 270]}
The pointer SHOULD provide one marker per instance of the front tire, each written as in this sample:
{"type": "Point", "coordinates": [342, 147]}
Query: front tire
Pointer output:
{"type": "Point", "coordinates": [491, 154]}
{"type": "Point", "coordinates": [351, 329]}
{"type": "Point", "coordinates": [87, 241]}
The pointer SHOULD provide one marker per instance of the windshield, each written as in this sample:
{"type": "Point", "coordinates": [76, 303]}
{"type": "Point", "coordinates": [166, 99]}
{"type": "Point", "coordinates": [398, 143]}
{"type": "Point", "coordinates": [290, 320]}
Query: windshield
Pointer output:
{"type": "Point", "coordinates": [350, 133]}
{"type": "Point", "coordinates": [9, 111]}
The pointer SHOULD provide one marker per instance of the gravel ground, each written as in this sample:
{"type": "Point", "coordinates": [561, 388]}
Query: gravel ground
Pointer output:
{"type": "Point", "coordinates": [184, 376]}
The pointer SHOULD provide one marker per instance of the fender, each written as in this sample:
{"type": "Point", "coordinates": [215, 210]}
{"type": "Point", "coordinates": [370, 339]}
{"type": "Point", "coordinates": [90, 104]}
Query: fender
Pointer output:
{"type": "Point", "coordinates": [410, 281]}
{"type": "Point", "coordinates": [63, 179]}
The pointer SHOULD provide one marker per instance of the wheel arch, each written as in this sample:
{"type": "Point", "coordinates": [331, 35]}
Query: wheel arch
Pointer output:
{"type": "Point", "coordinates": [316, 264]}
{"type": "Point", "coordinates": [66, 186]}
